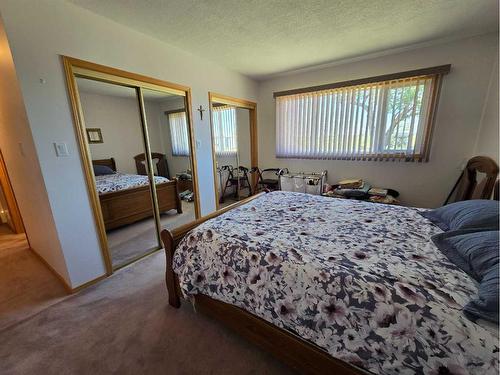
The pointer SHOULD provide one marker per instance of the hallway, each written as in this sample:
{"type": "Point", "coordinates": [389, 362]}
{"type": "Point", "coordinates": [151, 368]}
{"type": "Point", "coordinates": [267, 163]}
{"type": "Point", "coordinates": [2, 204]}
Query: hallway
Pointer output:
{"type": "Point", "coordinates": [26, 284]}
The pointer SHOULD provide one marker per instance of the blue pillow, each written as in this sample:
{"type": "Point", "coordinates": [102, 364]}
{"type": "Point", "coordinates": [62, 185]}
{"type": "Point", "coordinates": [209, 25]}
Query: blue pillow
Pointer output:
{"type": "Point", "coordinates": [476, 213]}
{"type": "Point", "coordinates": [101, 170]}
{"type": "Point", "coordinates": [485, 306]}
{"type": "Point", "coordinates": [477, 253]}
{"type": "Point", "coordinates": [474, 252]}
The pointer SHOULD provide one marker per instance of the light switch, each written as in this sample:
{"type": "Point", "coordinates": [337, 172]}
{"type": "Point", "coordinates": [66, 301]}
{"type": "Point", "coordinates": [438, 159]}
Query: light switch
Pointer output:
{"type": "Point", "coordinates": [61, 149]}
{"type": "Point", "coordinates": [198, 143]}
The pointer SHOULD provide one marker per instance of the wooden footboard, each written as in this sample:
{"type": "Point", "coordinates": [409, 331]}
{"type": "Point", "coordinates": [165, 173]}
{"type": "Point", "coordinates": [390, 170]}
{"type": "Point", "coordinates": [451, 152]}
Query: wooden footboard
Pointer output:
{"type": "Point", "coordinates": [286, 346]}
{"type": "Point", "coordinates": [168, 196]}
{"type": "Point", "coordinates": [172, 238]}
{"type": "Point", "coordinates": [128, 206]}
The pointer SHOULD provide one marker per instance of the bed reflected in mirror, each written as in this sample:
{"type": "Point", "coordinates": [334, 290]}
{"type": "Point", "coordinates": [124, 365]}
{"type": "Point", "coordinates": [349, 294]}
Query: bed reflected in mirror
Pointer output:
{"type": "Point", "coordinates": [231, 140]}
{"type": "Point", "coordinates": [113, 112]}
{"type": "Point", "coordinates": [168, 130]}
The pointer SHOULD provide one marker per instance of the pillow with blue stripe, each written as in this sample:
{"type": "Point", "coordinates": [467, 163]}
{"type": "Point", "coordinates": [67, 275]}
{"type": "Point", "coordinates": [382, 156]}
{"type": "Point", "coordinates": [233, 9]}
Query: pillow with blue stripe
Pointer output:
{"type": "Point", "coordinates": [101, 170]}
{"type": "Point", "coordinates": [477, 253]}
{"type": "Point", "coordinates": [476, 213]}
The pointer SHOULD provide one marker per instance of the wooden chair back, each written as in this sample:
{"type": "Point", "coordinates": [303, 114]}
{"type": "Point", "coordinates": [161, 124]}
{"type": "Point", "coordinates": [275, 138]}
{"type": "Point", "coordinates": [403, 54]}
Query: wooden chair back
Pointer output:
{"type": "Point", "coordinates": [159, 162]}
{"type": "Point", "coordinates": [267, 179]}
{"type": "Point", "coordinates": [469, 188]}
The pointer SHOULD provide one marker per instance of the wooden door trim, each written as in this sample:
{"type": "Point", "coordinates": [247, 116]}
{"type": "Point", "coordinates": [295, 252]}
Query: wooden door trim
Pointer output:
{"type": "Point", "coordinates": [229, 100]}
{"type": "Point", "coordinates": [87, 68]}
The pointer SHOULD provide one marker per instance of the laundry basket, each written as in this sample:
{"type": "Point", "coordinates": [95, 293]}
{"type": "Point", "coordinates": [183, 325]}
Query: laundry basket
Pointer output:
{"type": "Point", "coordinates": [302, 182]}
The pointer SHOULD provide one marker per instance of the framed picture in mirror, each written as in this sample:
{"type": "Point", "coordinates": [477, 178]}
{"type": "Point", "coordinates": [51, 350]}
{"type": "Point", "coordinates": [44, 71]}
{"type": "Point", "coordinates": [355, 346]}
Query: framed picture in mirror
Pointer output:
{"type": "Point", "coordinates": [94, 135]}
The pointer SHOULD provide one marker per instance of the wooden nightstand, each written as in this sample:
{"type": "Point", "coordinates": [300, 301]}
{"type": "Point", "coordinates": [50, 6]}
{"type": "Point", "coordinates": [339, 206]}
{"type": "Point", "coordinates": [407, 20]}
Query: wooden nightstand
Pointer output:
{"type": "Point", "coordinates": [185, 185]}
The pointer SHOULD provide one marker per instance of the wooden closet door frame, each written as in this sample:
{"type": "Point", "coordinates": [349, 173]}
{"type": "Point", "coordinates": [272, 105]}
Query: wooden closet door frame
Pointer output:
{"type": "Point", "coordinates": [254, 152]}
{"type": "Point", "coordinates": [15, 214]}
{"type": "Point", "coordinates": [74, 68]}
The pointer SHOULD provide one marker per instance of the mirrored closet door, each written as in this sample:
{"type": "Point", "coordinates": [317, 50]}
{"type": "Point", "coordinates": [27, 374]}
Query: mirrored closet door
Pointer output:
{"type": "Point", "coordinates": [135, 138]}
{"type": "Point", "coordinates": [168, 129]}
{"type": "Point", "coordinates": [234, 149]}
{"type": "Point", "coordinates": [115, 137]}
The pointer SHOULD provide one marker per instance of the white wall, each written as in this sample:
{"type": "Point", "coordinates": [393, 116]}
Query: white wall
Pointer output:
{"type": "Point", "coordinates": [487, 140]}
{"type": "Point", "coordinates": [119, 119]}
{"type": "Point", "coordinates": [39, 32]}
{"type": "Point", "coordinates": [120, 123]}
{"type": "Point", "coordinates": [20, 156]}
{"type": "Point", "coordinates": [461, 103]}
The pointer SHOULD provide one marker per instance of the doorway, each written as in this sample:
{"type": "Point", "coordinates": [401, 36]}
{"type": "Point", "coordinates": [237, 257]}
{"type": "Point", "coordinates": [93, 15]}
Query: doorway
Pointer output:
{"type": "Point", "coordinates": [135, 135]}
{"type": "Point", "coordinates": [10, 217]}
{"type": "Point", "coordinates": [233, 124]}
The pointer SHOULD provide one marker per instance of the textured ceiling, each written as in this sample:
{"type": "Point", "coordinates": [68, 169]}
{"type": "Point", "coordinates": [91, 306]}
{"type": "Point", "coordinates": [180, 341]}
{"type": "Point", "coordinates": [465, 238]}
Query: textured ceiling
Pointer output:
{"type": "Point", "coordinates": [263, 37]}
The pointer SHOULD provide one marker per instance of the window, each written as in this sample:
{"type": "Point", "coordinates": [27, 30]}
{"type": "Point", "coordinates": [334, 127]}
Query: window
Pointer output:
{"type": "Point", "coordinates": [384, 119]}
{"type": "Point", "coordinates": [179, 133]}
{"type": "Point", "coordinates": [224, 126]}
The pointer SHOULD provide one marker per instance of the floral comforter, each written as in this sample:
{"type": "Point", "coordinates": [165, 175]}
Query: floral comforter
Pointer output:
{"type": "Point", "coordinates": [361, 280]}
{"type": "Point", "coordinates": [110, 183]}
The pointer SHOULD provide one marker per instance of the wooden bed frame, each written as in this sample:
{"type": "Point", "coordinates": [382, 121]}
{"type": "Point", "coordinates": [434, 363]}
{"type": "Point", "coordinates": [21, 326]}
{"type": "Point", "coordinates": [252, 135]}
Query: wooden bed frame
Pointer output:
{"type": "Point", "coordinates": [128, 206]}
{"type": "Point", "coordinates": [285, 345]}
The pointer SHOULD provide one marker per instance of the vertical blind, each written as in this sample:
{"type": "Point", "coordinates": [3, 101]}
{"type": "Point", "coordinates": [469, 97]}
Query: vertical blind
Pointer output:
{"type": "Point", "coordinates": [385, 120]}
{"type": "Point", "coordinates": [179, 133]}
{"type": "Point", "coordinates": [224, 131]}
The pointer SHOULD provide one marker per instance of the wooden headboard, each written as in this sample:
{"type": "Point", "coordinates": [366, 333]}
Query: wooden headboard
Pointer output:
{"type": "Point", "coordinates": [106, 162]}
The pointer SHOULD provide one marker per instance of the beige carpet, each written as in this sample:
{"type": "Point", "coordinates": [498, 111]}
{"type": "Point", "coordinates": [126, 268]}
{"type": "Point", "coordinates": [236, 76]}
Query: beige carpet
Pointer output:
{"type": "Point", "coordinates": [132, 241]}
{"type": "Point", "coordinates": [26, 285]}
{"type": "Point", "coordinates": [124, 325]}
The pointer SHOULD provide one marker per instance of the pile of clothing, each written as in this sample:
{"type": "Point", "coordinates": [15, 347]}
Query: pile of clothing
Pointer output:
{"type": "Point", "coordinates": [187, 195]}
{"type": "Point", "coordinates": [352, 188]}
{"type": "Point", "coordinates": [359, 189]}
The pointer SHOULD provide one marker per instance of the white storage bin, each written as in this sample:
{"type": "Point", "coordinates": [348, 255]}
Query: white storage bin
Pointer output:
{"type": "Point", "coordinates": [315, 188]}
{"type": "Point", "coordinates": [310, 183]}
{"type": "Point", "coordinates": [286, 183]}
{"type": "Point", "coordinates": [298, 184]}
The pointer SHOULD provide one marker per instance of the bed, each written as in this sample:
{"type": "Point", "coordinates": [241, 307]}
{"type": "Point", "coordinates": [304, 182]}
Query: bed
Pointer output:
{"type": "Point", "coordinates": [331, 286]}
{"type": "Point", "coordinates": [126, 198]}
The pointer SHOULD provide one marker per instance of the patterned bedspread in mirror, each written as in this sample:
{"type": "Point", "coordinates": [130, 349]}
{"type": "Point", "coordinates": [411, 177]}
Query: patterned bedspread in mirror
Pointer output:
{"type": "Point", "coordinates": [363, 281]}
{"type": "Point", "coordinates": [110, 183]}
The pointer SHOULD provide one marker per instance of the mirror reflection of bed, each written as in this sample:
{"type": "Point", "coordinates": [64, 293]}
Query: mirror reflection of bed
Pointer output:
{"type": "Point", "coordinates": [117, 147]}
{"type": "Point", "coordinates": [231, 136]}
{"type": "Point", "coordinates": [169, 134]}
